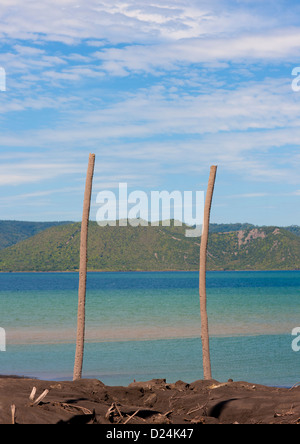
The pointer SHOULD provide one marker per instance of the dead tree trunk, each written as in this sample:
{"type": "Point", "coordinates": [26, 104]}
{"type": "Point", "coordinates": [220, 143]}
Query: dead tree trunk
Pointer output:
{"type": "Point", "coordinates": [202, 275]}
{"type": "Point", "coordinates": [83, 271]}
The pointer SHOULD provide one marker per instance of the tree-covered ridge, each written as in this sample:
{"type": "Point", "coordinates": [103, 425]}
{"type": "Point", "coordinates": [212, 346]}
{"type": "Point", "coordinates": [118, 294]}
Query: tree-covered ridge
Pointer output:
{"type": "Point", "coordinates": [12, 232]}
{"type": "Point", "coordinates": [295, 229]}
{"type": "Point", "coordinates": [153, 248]}
{"type": "Point", "coordinates": [267, 248]}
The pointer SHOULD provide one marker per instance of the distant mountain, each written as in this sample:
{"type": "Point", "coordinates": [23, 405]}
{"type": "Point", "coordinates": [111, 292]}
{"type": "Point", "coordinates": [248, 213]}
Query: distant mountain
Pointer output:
{"type": "Point", "coordinates": [227, 228]}
{"type": "Point", "coordinates": [153, 248]}
{"type": "Point", "coordinates": [12, 232]}
{"type": "Point", "coordinates": [294, 229]}
{"type": "Point", "coordinates": [265, 248]}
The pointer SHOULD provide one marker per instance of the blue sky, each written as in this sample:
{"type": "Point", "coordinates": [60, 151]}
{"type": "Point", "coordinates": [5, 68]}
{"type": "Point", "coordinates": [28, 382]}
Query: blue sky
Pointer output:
{"type": "Point", "coordinates": [159, 91]}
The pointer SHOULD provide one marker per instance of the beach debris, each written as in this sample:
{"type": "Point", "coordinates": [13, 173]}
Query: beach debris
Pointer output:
{"type": "Point", "coordinates": [202, 407]}
{"type": "Point", "coordinates": [287, 413]}
{"type": "Point", "coordinates": [114, 411]}
{"type": "Point", "coordinates": [110, 412]}
{"type": "Point", "coordinates": [215, 386]}
{"type": "Point", "coordinates": [39, 399]}
{"type": "Point", "coordinates": [295, 386]}
{"type": "Point", "coordinates": [71, 408]}
{"type": "Point", "coordinates": [132, 416]}
{"type": "Point", "coordinates": [13, 414]}
{"type": "Point", "coordinates": [119, 411]}
{"type": "Point", "coordinates": [32, 395]}
{"type": "Point", "coordinates": [56, 386]}
{"type": "Point", "coordinates": [199, 407]}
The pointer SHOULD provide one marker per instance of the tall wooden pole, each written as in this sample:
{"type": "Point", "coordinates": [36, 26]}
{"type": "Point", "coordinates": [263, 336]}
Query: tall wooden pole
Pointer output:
{"type": "Point", "coordinates": [202, 275]}
{"type": "Point", "coordinates": [83, 271]}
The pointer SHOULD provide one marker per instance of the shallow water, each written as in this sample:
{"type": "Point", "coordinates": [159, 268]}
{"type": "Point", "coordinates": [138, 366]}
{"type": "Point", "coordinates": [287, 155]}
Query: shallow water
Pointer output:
{"type": "Point", "coordinates": [145, 325]}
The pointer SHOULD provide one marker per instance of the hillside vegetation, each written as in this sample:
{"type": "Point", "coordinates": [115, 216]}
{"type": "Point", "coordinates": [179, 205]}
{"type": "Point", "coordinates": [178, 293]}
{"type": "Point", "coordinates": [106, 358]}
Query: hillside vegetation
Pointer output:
{"type": "Point", "coordinates": [12, 232]}
{"type": "Point", "coordinates": [153, 248]}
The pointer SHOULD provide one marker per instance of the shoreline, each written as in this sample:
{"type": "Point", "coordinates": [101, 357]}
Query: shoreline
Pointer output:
{"type": "Point", "coordinates": [149, 271]}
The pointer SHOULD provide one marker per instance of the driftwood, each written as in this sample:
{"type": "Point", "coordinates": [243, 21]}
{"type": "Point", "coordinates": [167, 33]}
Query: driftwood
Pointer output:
{"type": "Point", "coordinates": [115, 411]}
{"type": "Point", "coordinates": [295, 386]}
{"type": "Point", "coordinates": [13, 414]}
{"type": "Point", "coordinates": [199, 407]}
{"type": "Point", "coordinates": [32, 395]}
{"type": "Point", "coordinates": [39, 399]}
{"type": "Point", "coordinates": [73, 408]}
{"type": "Point", "coordinates": [110, 411]}
{"type": "Point", "coordinates": [132, 416]}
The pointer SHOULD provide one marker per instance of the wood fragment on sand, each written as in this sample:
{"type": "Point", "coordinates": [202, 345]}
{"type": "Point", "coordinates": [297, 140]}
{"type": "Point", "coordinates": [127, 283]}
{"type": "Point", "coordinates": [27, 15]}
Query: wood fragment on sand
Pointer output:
{"type": "Point", "coordinates": [132, 416]}
{"type": "Point", "coordinates": [32, 395]}
{"type": "Point", "coordinates": [71, 408]}
{"type": "Point", "coordinates": [40, 398]}
{"type": "Point", "coordinates": [13, 414]}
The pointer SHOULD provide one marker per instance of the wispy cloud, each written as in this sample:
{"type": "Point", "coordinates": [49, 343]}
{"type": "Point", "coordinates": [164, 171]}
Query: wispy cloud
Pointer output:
{"type": "Point", "coordinates": [120, 22]}
{"type": "Point", "coordinates": [17, 173]}
{"type": "Point", "coordinates": [239, 129]}
{"type": "Point", "coordinates": [283, 44]}
{"type": "Point", "coordinates": [157, 90]}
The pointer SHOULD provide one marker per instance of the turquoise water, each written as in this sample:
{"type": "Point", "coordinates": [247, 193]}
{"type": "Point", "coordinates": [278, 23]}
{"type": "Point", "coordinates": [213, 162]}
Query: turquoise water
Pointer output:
{"type": "Point", "coordinates": [147, 325]}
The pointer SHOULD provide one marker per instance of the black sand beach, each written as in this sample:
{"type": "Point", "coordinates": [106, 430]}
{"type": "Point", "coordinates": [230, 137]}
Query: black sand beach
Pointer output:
{"type": "Point", "coordinates": [151, 402]}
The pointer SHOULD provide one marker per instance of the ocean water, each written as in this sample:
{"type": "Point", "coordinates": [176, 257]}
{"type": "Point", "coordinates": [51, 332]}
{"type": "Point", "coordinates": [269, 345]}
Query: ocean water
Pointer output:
{"type": "Point", "coordinates": [147, 325]}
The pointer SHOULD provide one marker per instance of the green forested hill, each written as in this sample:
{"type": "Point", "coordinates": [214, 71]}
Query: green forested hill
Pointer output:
{"type": "Point", "coordinates": [294, 229]}
{"type": "Point", "coordinates": [153, 248]}
{"type": "Point", "coordinates": [12, 232]}
{"type": "Point", "coordinates": [267, 248]}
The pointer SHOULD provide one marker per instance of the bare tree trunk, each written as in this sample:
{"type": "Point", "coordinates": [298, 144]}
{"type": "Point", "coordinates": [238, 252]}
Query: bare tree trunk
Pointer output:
{"type": "Point", "coordinates": [202, 275]}
{"type": "Point", "coordinates": [83, 270]}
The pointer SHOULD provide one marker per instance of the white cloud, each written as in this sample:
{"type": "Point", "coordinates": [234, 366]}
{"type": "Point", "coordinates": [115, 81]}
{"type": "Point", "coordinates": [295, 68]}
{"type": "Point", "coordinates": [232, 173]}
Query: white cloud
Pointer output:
{"type": "Point", "coordinates": [19, 173]}
{"type": "Point", "coordinates": [282, 44]}
{"type": "Point", "coordinates": [156, 38]}
{"type": "Point", "coordinates": [197, 92]}
{"type": "Point", "coordinates": [210, 127]}
{"type": "Point", "coordinates": [157, 111]}
{"type": "Point", "coordinates": [70, 21]}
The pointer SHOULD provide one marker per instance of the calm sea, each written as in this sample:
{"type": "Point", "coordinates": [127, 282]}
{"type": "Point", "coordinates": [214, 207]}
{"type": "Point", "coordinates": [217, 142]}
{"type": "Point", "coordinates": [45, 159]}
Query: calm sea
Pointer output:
{"type": "Point", "coordinates": [147, 325]}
